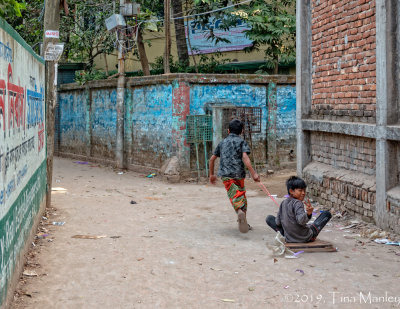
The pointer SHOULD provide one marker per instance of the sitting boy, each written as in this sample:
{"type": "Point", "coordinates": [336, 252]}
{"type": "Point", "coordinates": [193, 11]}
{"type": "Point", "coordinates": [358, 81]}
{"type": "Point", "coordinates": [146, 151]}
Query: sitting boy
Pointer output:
{"type": "Point", "coordinates": [292, 218]}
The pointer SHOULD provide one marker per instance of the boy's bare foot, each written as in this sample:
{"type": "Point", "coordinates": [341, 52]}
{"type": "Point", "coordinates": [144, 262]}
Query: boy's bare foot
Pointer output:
{"type": "Point", "coordinates": [242, 222]}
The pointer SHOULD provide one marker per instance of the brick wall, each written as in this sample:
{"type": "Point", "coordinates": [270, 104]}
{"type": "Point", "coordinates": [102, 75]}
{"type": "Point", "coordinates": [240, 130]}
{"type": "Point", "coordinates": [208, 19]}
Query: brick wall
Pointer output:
{"type": "Point", "coordinates": [343, 60]}
{"type": "Point", "coordinates": [342, 190]}
{"type": "Point", "coordinates": [344, 151]}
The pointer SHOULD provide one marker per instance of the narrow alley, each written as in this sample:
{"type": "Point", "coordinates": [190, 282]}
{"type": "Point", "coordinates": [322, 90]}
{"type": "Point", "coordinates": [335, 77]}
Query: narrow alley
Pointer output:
{"type": "Point", "coordinates": [164, 245]}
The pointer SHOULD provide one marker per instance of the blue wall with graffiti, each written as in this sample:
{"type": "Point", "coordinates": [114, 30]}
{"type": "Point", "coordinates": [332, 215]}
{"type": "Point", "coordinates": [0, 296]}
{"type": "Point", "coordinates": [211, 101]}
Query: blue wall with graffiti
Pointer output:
{"type": "Point", "coordinates": [155, 113]}
{"type": "Point", "coordinates": [103, 122]}
{"type": "Point", "coordinates": [149, 124]}
{"type": "Point", "coordinates": [286, 113]}
{"type": "Point", "coordinates": [72, 119]}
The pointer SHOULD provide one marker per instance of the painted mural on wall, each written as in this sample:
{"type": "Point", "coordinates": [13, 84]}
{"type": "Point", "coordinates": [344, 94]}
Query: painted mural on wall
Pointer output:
{"type": "Point", "coordinates": [22, 146]}
{"type": "Point", "coordinates": [200, 43]}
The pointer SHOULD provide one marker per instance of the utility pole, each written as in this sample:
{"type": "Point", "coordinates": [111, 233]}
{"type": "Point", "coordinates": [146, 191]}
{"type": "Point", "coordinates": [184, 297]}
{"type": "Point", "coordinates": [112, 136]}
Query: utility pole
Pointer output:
{"type": "Point", "coordinates": [51, 35]}
{"type": "Point", "coordinates": [167, 19]}
{"type": "Point", "coordinates": [119, 145]}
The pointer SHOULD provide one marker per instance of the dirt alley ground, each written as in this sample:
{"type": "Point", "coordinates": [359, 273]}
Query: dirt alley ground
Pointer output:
{"type": "Point", "coordinates": [179, 247]}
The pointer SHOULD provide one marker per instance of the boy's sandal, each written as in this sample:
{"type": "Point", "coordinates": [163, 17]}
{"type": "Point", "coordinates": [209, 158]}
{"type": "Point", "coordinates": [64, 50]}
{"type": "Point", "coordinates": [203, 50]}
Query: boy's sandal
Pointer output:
{"type": "Point", "coordinates": [242, 222]}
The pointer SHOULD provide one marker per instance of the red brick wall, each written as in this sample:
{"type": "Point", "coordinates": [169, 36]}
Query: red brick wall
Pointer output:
{"type": "Point", "coordinates": [343, 58]}
{"type": "Point", "coordinates": [344, 151]}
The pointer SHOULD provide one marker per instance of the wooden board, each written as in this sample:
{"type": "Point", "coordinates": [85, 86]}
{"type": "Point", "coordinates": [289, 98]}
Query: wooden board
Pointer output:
{"type": "Point", "coordinates": [315, 246]}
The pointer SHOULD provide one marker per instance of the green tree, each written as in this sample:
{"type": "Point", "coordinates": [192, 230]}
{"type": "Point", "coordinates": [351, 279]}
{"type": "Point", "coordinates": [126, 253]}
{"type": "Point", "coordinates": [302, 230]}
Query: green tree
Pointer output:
{"type": "Point", "coordinates": [11, 7]}
{"type": "Point", "coordinates": [272, 23]}
{"type": "Point", "coordinates": [273, 29]}
{"type": "Point", "coordinates": [84, 31]}
{"type": "Point", "coordinates": [180, 36]}
{"type": "Point", "coordinates": [29, 24]}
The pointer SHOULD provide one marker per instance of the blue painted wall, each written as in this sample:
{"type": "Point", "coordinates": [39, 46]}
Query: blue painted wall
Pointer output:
{"type": "Point", "coordinates": [149, 116]}
{"type": "Point", "coordinates": [72, 121]}
{"type": "Point", "coordinates": [237, 94]}
{"type": "Point", "coordinates": [151, 112]}
{"type": "Point", "coordinates": [104, 122]}
{"type": "Point", "coordinates": [286, 112]}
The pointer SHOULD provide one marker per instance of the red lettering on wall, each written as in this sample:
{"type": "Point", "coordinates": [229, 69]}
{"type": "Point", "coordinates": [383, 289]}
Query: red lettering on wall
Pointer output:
{"type": "Point", "coordinates": [2, 100]}
{"type": "Point", "coordinates": [16, 103]}
{"type": "Point", "coordinates": [41, 137]}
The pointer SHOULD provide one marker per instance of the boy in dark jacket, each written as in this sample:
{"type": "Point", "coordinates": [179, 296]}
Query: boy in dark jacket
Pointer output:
{"type": "Point", "coordinates": [234, 156]}
{"type": "Point", "coordinates": [291, 220]}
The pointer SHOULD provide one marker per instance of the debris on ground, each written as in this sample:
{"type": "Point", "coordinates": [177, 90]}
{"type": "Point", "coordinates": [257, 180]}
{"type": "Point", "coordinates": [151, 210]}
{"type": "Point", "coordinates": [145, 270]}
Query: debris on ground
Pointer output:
{"type": "Point", "coordinates": [89, 236]}
{"type": "Point", "coordinates": [300, 271]}
{"type": "Point", "coordinates": [30, 273]}
{"type": "Point", "coordinates": [42, 235]}
{"type": "Point", "coordinates": [386, 242]}
{"type": "Point", "coordinates": [81, 162]}
{"type": "Point", "coordinates": [133, 202]}
{"type": "Point", "coordinates": [59, 223]}
{"type": "Point", "coordinates": [226, 300]}
{"type": "Point", "coordinates": [279, 249]}
{"type": "Point", "coordinates": [58, 189]}
{"type": "Point", "coordinates": [151, 175]}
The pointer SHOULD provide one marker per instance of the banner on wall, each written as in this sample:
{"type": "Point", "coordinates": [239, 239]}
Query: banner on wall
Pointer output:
{"type": "Point", "coordinates": [199, 43]}
{"type": "Point", "coordinates": [22, 145]}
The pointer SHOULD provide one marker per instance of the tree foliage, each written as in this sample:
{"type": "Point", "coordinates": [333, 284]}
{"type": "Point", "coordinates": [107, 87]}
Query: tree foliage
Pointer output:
{"type": "Point", "coordinates": [84, 31]}
{"type": "Point", "coordinates": [272, 22]}
{"type": "Point", "coordinates": [29, 24]}
{"type": "Point", "coordinates": [11, 7]}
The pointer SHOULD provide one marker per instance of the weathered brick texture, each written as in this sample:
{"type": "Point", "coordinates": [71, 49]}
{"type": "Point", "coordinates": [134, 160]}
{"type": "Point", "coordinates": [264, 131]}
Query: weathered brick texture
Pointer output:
{"type": "Point", "coordinates": [343, 59]}
{"type": "Point", "coordinates": [344, 151]}
{"type": "Point", "coordinates": [342, 190]}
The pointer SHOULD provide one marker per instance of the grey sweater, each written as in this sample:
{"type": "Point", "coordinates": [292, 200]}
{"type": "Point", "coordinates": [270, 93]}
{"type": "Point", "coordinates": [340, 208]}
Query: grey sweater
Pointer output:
{"type": "Point", "coordinates": [293, 218]}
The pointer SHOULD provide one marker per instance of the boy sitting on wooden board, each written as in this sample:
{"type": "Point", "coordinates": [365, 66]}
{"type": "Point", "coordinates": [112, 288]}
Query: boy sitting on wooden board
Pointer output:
{"type": "Point", "coordinates": [291, 220]}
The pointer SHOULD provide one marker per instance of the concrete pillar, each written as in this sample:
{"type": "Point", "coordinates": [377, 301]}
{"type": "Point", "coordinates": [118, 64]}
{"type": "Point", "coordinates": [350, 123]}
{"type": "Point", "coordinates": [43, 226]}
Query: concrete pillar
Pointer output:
{"type": "Point", "coordinates": [272, 157]}
{"type": "Point", "coordinates": [89, 121]}
{"type": "Point", "coordinates": [217, 119]}
{"type": "Point", "coordinates": [382, 71]}
{"type": "Point", "coordinates": [180, 109]}
{"type": "Point", "coordinates": [303, 80]}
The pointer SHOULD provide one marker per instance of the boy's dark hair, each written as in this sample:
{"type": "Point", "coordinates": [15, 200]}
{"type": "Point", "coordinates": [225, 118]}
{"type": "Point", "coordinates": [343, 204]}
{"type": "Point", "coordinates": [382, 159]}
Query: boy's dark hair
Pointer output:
{"type": "Point", "coordinates": [236, 126]}
{"type": "Point", "coordinates": [294, 183]}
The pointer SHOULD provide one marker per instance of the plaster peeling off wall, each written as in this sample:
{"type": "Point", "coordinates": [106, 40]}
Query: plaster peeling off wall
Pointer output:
{"type": "Point", "coordinates": [104, 123]}
{"type": "Point", "coordinates": [151, 124]}
{"type": "Point", "coordinates": [72, 124]}
{"type": "Point", "coordinates": [204, 97]}
{"type": "Point", "coordinates": [286, 122]}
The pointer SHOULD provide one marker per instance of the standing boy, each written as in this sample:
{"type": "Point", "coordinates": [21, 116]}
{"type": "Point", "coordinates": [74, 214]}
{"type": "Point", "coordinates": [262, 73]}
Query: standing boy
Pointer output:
{"type": "Point", "coordinates": [234, 155]}
{"type": "Point", "coordinates": [291, 220]}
